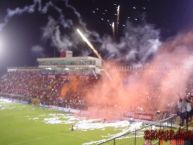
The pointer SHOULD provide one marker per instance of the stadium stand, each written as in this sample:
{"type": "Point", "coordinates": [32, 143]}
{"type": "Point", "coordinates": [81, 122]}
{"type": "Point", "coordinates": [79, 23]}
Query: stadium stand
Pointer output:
{"type": "Point", "coordinates": [56, 81]}
{"type": "Point", "coordinates": [60, 90]}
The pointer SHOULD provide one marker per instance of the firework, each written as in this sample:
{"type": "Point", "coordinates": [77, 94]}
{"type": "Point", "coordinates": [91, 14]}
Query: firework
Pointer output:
{"type": "Point", "coordinates": [89, 43]}
{"type": "Point", "coordinates": [108, 74]}
{"type": "Point", "coordinates": [118, 15]}
{"type": "Point", "coordinates": [113, 28]}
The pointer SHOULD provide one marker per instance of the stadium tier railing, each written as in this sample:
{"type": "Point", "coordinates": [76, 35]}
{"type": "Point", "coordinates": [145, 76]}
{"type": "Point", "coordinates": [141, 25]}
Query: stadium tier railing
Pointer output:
{"type": "Point", "coordinates": [136, 137]}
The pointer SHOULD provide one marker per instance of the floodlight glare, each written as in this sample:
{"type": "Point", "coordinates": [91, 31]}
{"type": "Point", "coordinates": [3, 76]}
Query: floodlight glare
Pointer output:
{"type": "Point", "coordinates": [1, 45]}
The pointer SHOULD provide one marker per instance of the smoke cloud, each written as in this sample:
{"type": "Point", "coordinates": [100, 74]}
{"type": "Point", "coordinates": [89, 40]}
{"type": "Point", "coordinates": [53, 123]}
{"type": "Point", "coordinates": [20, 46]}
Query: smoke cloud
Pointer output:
{"type": "Point", "coordinates": [137, 44]}
{"type": "Point", "coordinates": [147, 87]}
{"type": "Point", "coordinates": [153, 86]}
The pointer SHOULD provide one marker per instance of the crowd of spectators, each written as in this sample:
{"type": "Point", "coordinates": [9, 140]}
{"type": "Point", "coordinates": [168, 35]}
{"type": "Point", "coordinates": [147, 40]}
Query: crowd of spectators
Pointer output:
{"type": "Point", "coordinates": [47, 89]}
{"type": "Point", "coordinates": [185, 104]}
{"type": "Point", "coordinates": [65, 90]}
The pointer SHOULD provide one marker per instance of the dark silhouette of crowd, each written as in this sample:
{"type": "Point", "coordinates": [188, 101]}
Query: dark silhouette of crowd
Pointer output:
{"type": "Point", "coordinates": [185, 110]}
{"type": "Point", "coordinates": [47, 88]}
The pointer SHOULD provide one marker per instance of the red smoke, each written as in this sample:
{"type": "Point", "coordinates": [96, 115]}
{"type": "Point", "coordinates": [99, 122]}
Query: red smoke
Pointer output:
{"type": "Point", "coordinates": [148, 88]}
{"type": "Point", "coordinates": [152, 87]}
{"type": "Point", "coordinates": [71, 87]}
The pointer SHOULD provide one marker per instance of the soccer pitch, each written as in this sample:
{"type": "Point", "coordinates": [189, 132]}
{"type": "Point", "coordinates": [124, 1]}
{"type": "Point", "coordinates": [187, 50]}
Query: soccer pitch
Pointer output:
{"type": "Point", "coordinates": [22, 124]}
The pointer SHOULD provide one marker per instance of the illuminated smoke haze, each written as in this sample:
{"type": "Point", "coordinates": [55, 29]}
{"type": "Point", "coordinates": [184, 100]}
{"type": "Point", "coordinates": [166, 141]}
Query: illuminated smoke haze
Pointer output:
{"type": "Point", "coordinates": [151, 87]}
{"type": "Point", "coordinates": [163, 68]}
{"type": "Point", "coordinates": [60, 32]}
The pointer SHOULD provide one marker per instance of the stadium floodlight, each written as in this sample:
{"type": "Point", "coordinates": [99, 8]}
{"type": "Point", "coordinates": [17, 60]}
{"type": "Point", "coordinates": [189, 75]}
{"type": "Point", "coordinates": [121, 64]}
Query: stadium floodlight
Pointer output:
{"type": "Point", "coordinates": [49, 68]}
{"type": "Point", "coordinates": [67, 69]}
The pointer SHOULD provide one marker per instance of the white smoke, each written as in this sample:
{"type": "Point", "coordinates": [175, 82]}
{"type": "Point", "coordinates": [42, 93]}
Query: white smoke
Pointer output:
{"type": "Point", "coordinates": [62, 42]}
{"type": "Point", "coordinates": [137, 43]}
{"type": "Point", "coordinates": [50, 28]}
{"type": "Point", "coordinates": [18, 11]}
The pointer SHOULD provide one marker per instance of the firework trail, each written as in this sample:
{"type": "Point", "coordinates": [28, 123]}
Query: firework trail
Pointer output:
{"type": "Point", "coordinates": [118, 16]}
{"type": "Point", "coordinates": [95, 51]}
{"type": "Point", "coordinates": [89, 44]}
{"type": "Point", "coordinates": [113, 29]}
{"type": "Point", "coordinates": [53, 33]}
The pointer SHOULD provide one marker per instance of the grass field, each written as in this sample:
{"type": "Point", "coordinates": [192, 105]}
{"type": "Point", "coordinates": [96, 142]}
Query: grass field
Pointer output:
{"type": "Point", "coordinates": [22, 124]}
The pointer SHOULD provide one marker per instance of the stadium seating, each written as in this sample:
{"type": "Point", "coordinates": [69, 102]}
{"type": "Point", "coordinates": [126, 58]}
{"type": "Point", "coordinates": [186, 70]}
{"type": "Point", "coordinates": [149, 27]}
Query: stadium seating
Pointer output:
{"type": "Point", "coordinates": [61, 90]}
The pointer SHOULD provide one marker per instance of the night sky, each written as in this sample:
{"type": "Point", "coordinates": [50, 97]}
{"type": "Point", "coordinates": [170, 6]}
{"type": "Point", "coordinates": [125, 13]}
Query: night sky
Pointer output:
{"type": "Point", "coordinates": [24, 30]}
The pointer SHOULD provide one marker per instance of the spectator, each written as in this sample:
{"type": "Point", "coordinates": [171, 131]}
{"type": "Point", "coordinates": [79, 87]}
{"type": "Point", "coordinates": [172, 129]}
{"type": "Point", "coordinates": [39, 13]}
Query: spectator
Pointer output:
{"type": "Point", "coordinates": [182, 110]}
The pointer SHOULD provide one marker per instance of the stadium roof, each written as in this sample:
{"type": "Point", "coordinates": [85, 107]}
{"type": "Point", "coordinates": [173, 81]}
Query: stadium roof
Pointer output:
{"type": "Point", "coordinates": [67, 58]}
